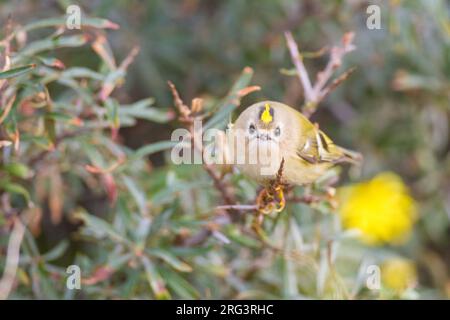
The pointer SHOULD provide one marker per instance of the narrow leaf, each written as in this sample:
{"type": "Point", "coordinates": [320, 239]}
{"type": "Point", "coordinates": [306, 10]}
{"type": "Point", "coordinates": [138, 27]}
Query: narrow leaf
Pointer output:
{"type": "Point", "coordinates": [231, 101]}
{"type": "Point", "coordinates": [16, 71]}
{"type": "Point", "coordinates": [155, 280]}
{"type": "Point", "coordinates": [171, 259]}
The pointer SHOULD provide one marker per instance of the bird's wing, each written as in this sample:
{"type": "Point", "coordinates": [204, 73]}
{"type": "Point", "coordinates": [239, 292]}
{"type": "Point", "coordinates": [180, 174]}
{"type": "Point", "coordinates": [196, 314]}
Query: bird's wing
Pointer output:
{"type": "Point", "coordinates": [309, 149]}
{"type": "Point", "coordinates": [319, 148]}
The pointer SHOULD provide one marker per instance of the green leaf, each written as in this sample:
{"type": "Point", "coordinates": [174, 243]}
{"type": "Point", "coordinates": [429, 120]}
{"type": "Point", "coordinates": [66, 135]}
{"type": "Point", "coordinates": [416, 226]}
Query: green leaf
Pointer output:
{"type": "Point", "coordinates": [116, 261]}
{"type": "Point", "coordinates": [137, 193]}
{"type": "Point", "coordinates": [47, 286]}
{"type": "Point", "coordinates": [289, 72]}
{"type": "Point", "coordinates": [131, 280]}
{"type": "Point", "coordinates": [58, 116]}
{"type": "Point", "coordinates": [57, 251]}
{"type": "Point", "coordinates": [160, 220]}
{"type": "Point", "coordinates": [171, 259]}
{"type": "Point", "coordinates": [84, 93]}
{"type": "Point", "coordinates": [166, 195]}
{"type": "Point", "coordinates": [100, 227]}
{"type": "Point", "coordinates": [142, 230]}
{"type": "Point", "coordinates": [112, 112]}
{"type": "Point", "coordinates": [16, 71]}
{"type": "Point", "coordinates": [18, 170]}
{"type": "Point", "coordinates": [142, 110]}
{"type": "Point", "coordinates": [141, 104]}
{"type": "Point", "coordinates": [61, 22]}
{"type": "Point", "coordinates": [15, 188]}
{"type": "Point", "coordinates": [50, 128]}
{"type": "Point", "coordinates": [42, 142]}
{"type": "Point", "coordinates": [179, 285]}
{"type": "Point", "coordinates": [289, 278]}
{"type": "Point", "coordinates": [153, 148]}
{"type": "Point", "coordinates": [51, 62]}
{"type": "Point", "coordinates": [155, 280]}
{"type": "Point", "coordinates": [112, 79]}
{"type": "Point", "coordinates": [80, 72]}
{"type": "Point", "coordinates": [49, 44]}
{"type": "Point", "coordinates": [228, 104]}
{"type": "Point", "coordinates": [236, 235]}
{"type": "Point", "coordinates": [192, 251]}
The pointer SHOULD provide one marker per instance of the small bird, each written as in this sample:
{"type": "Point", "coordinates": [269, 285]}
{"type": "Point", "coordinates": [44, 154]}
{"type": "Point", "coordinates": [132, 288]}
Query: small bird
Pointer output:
{"type": "Point", "coordinates": [307, 151]}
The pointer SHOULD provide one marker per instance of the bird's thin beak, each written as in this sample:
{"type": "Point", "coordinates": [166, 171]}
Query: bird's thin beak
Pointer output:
{"type": "Point", "coordinates": [264, 136]}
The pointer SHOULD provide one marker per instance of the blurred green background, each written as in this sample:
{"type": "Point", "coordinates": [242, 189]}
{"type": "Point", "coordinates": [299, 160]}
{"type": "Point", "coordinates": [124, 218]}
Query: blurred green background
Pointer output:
{"type": "Point", "coordinates": [394, 109]}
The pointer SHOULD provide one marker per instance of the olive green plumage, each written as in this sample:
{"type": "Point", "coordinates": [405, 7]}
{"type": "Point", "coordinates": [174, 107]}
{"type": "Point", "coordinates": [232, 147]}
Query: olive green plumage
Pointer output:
{"type": "Point", "coordinates": [307, 151]}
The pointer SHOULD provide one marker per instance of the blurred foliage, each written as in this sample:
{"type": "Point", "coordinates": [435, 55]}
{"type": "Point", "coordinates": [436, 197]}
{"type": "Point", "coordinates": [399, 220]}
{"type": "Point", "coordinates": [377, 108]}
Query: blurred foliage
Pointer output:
{"type": "Point", "coordinates": [84, 161]}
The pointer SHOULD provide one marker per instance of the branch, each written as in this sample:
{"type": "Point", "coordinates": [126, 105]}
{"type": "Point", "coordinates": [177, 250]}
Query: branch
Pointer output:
{"type": "Point", "coordinates": [186, 115]}
{"type": "Point", "coordinates": [297, 59]}
{"type": "Point", "coordinates": [336, 82]}
{"type": "Point", "coordinates": [314, 94]}
{"type": "Point", "coordinates": [307, 199]}
{"type": "Point", "coordinates": [240, 207]}
{"type": "Point", "coordinates": [184, 110]}
{"type": "Point", "coordinates": [231, 210]}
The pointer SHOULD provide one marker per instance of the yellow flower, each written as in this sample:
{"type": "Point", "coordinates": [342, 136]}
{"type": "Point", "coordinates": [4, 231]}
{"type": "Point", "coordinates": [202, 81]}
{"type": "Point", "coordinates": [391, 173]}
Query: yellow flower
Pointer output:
{"type": "Point", "coordinates": [398, 274]}
{"type": "Point", "coordinates": [381, 209]}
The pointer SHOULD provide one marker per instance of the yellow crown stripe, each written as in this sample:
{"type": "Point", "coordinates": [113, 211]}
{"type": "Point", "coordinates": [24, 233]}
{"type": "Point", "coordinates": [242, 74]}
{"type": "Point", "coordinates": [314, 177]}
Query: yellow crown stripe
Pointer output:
{"type": "Point", "coordinates": [266, 117]}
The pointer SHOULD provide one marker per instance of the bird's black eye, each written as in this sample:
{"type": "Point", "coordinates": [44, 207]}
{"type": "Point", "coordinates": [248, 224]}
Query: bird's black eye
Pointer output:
{"type": "Point", "coordinates": [252, 128]}
{"type": "Point", "coordinates": [277, 131]}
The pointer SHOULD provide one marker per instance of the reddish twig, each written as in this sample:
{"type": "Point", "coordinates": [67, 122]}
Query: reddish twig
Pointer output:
{"type": "Point", "coordinates": [188, 116]}
{"type": "Point", "coordinates": [336, 82]}
{"type": "Point", "coordinates": [231, 209]}
{"type": "Point", "coordinates": [184, 110]}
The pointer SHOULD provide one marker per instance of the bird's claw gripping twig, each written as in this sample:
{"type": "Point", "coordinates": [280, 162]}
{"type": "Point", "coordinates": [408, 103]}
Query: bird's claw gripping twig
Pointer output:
{"type": "Point", "coordinates": [271, 198]}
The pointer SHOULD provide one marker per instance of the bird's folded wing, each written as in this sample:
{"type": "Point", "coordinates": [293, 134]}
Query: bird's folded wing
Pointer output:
{"type": "Point", "coordinates": [318, 148]}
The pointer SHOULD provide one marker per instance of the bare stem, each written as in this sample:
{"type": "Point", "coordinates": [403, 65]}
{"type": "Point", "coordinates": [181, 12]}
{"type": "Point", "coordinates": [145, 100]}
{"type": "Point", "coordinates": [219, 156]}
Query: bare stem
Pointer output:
{"type": "Point", "coordinates": [298, 63]}
{"type": "Point", "coordinates": [240, 207]}
{"type": "Point", "coordinates": [314, 94]}
{"type": "Point", "coordinates": [186, 115]}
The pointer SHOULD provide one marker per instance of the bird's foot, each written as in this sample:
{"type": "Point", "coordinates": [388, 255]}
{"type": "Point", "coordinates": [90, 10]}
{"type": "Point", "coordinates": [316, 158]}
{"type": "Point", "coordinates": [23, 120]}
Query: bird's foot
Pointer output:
{"type": "Point", "coordinates": [271, 199]}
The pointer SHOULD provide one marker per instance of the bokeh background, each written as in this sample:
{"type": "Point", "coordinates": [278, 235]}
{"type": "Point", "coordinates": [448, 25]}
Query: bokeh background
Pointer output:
{"type": "Point", "coordinates": [93, 184]}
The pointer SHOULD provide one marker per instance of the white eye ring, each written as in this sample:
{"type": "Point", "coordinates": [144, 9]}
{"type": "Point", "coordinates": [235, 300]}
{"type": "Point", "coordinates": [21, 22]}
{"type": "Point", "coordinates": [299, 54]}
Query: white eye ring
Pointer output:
{"type": "Point", "coordinates": [251, 128]}
{"type": "Point", "coordinates": [277, 131]}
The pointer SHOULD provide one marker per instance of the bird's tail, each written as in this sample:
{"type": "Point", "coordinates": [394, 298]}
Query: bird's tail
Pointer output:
{"type": "Point", "coordinates": [350, 156]}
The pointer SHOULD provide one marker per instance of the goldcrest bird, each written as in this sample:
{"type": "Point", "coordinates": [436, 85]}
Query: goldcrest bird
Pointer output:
{"type": "Point", "coordinates": [307, 152]}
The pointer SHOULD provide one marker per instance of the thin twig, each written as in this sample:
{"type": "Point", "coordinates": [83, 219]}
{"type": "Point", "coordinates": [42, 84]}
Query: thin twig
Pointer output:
{"type": "Point", "coordinates": [336, 82]}
{"type": "Point", "coordinates": [187, 116]}
{"type": "Point", "coordinates": [301, 70]}
{"type": "Point", "coordinates": [183, 109]}
{"type": "Point", "coordinates": [314, 94]}
{"type": "Point", "coordinates": [279, 177]}
{"type": "Point", "coordinates": [240, 207]}
{"type": "Point", "coordinates": [109, 86]}
{"type": "Point", "coordinates": [307, 199]}
{"type": "Point", "coordinates": [129, 58]}
{"type": "Point", "coordinates": [335, 61]}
